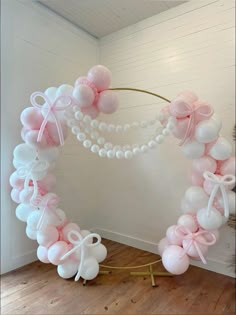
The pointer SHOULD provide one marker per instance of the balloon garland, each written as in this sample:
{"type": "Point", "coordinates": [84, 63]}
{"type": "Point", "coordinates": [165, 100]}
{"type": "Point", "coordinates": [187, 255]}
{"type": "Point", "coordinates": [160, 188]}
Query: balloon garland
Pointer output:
{"type": "Point", "coordinates": [206, 204]}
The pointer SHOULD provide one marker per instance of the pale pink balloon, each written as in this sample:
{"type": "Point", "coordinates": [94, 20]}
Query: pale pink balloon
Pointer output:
{"type": "Point", "coordinates": [180, 102]}
{"type": "Point", "coordinates": [172, 237]}
{"type": "Point", "coordinates": [31, 118]}
{"type": "Point", "coordinates": [84, 95]}
{"type": "Point", "coordinates": [162, 245]}
{"type": "Point", "coordinates": [31, 136]}
{"type": "Point", "coordinates": [196, 179]}
{"type": "Point", "coordinates": [192, 251]}
{"type": "Point", "coordinates": [56, 251]}
{"type": "Point", "coordinates": [108, 102]}
{"type": "Point", "coordinates": [15, 195]}
{"type": "Point", "coordinates": [48, 182]}
{"type": "Point", "coordinates": [188, 221]}
{"type": "Point", "coordinates": [67, 228]}
{"type": "Point", "coordinates": [42, 253]}
{"type": "Point", "coordinates": [91, 111]}
{"type": "Point", "coordinates": [205, 163]}
{"type": "Point", "coordinates": [204, 110]}
{"type": "Point", "coordinates": [100, 76]}
{"type": "Point", "coordinates": [189, 96]}
{"type": "Point", "coordinates": [53, 132]}
{"type": "Point", "coordinates": [47, 236]}
{"type": "Point", "coordinates": [175, 260]}
{"type": "Point", "coordinates": [16, 182]}
{"type": "Point", "coordinates": [180, 128]}
{"type": "Point", "coordinates": [80, 80]}
{"type": "Point", "coordinates": [228, 166]}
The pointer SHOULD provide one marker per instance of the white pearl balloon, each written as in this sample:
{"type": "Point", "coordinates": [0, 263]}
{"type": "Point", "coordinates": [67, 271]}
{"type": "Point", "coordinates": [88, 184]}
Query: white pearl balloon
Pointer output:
{"type": "Point", "coordinates": [90, 268]}
{"type": "Point", "coordinates": [159, 139]}
{"type": "Point", "coordinates": [206, 131]}
{"type": "Point", "coordinates": [128, 155]}
{"type": "Point", "coordinates": [231, 200]}
{"type": "Point", "coordinates": [196, 197]}
{"type": "Point", "coordinates": [81, 136]}
{"type": "Point", "coordinates": [193, 149]}
{"type": "Point", "coordinates": [211, 222]}
{"type": "Point", "coordinates": [102, 152]}
{"type": "Point", "coordinates": [110, 154]}
{"type": "Point", "coordinates": [221, 150]}
{"type": "Point", "coordinates": [95, 148]}
{"type": "Point", "coordinates": [99, 252]}
{"type": "Point", "coordinates": [23, 211]}
{"type": "Point", "coordinates": [24, 153]}
{"type": "Point", "coordinates": [119, 154]}
{"type": "Point", "coordinates": [67, 270]}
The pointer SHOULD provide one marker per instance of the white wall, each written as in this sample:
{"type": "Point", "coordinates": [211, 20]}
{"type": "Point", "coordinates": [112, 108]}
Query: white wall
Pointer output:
{"type": "Point", "coordinates": [188, 47]}
{"type": "Point", "coordinates": [39, 49]}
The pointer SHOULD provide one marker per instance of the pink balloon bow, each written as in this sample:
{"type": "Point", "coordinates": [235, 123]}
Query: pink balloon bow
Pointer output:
{"type": "Point", "coordinates": [77, 239]}
{"type": "Point", "coordinates": [220, 183]}
{"type": "Point", "coordinates": [53, 108]}
{"type": "Point", "coordinates": [29, 172]}
{"type": "Point", "coordinates": [198, 113]}
{"type": "Point", "coordinates": [194, 240]}
{"type": "Point", "coordinates": [46, 203]}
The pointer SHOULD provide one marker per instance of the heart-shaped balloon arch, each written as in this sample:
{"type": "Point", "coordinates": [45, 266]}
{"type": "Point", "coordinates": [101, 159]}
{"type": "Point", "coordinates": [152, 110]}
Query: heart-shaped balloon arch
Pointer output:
{"type": "Point", "coordinates": [206, 204]}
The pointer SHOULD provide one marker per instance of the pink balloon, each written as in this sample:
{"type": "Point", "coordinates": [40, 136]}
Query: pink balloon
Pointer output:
{"type": "Point", "coordinates": [192, 251]}
{"type": "Point", "coordinates": [174, 260]}
{"type": "Point", "coordinates": [56, 251]}
{"type": "Point", "coordinates": [205, 163]}
{"type": "Point", "coordinates": [228, 166]}
{"type": "Point", "coordinates": [31, 118]}
{"type": "Point", "coordinates": [31, 136]}
{"type": "Point", "coordinates": [208, 237]}
{"type": "Point", "coordinates": [188, 221]}
{"type": "Point", "coordinates": [47, 236]}
{"type": "Point", "coordinates": [205, 107]}
{"type": "Point", "coordinates": [91, 111]}
{"type": "Point", "coordinates": [172, 237]}
{"type": "Point", "coordinates": [84, 95]}
{"type": "Point", "coordinates": [42, 253]}
{"type": "Point", "coordinates": [53, 133]}
{"type": "Point", "coordinates": [100, 76]}
{"type": "Point", "coordinates": [108, 102]}
{"type": "Point", "coordinates": [162, 245]}
{"type": "Point", "coordinates": [67, 228]}
{"type": "Point", "coordinates": [48, 182]}
{"type": "Point", "coordinates": [182, 103]}
{"type": "Point", "coordinates": [189, 96]}
{"type": "Point", "coordinates": [80, 80]}
{"type": "Point", "coordinates": [16, 182]}
{"type": "Point", "coordinates": [180, 128]}
{"type": "Point", "coordinates": [196, 179]}
{"type": "Point", "coordinates": [15, 195]}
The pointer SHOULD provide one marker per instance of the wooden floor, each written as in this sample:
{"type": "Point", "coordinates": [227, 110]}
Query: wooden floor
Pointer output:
{"type": "Point", "coordinates": [37, 289]}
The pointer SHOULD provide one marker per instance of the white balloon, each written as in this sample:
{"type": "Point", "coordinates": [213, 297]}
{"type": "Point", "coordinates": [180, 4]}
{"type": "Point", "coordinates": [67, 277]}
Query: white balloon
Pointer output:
{"type": "Point", "coordinates": [206, 131]}
{"type": "Point", "coordinates": [17, 163]}
{"type": "Point", "coordinates": [85, 233]}
{"type": "Point", "coordinates": [217, 120]}
{"type": "Point", "coordinates": [56, 220]}
{"type": "Point", "coordinates": [51, 93]}
{"type": "Point", "coordinates": [33, 219]}
{"type": "Point", "coordinates": [221, 150]}
{"type": "Point", "coordinates": [186, 207]}
{"type": "Point", "coordinates": [64, 89]}
{"type": "Point", "coordinates": [90, 268]}
{"type": "Point", "coordinates": [193, 149]}
{"type": "Point", "coordinates": [23, 153]}
{"type": "Point", "coordinates": [23, 211]}
{"type": "Point", "coordinates": [32, 234]}
{"type": "Point", "coordinates": [196, 197]}
{"type": "Point", "coordinates": [49, 154]}
{"type": "Point", "coordinates": [211, 222]}
{"type": "Point", "coordinates": [231, 199]}
{"type": "Point", "coordinates": [99, 252]}
{"type": "Point", "coordinates": [68, 269]}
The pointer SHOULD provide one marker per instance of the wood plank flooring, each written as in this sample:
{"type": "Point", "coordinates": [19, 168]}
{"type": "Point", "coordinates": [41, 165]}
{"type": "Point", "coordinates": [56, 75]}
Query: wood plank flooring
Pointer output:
{"type": "Point", "coordinates": [37, 289]}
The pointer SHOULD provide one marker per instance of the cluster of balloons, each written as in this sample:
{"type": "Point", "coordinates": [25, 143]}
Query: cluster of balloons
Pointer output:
{"type": "Point", "coordinates": [209, 200]}
{"type": "Point", "coordinates": [44, 129]}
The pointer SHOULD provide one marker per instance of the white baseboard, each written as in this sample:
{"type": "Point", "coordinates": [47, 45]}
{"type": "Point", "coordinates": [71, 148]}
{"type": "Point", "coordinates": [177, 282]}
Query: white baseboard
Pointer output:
{"type": "Point", "coordinates": [18, 261]}
{"type": "Point", "coordinates": [212, 264]}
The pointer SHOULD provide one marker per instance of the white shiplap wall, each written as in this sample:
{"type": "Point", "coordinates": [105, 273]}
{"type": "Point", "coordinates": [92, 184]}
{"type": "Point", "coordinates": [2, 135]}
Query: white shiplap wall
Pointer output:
{"type": "Point", "coordinates": [187, 47]}
{"type": "Point", "coordinates": [39, 50]}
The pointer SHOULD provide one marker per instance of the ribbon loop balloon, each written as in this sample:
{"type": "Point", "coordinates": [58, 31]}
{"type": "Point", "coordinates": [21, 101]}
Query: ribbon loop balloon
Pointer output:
{"type": "Point", "coordinates": [77, 239]}
{"type": "Point", "coordinates": [194, 240]}
{"type": "Point", "coordinates": [53, 107]}
{"type": "Point", "coordinates": [220, 183]}
{"type": "Point", "coordinates": [195, 114]}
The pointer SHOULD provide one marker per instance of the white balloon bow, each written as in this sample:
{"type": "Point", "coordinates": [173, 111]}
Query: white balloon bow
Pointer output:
{"type": "Point", "coordinates": [80, 243]}
{"type": "Point", "coordinates": [220, 183]}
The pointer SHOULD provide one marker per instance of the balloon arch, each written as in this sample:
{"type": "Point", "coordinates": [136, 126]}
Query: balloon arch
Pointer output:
{"type": "Point", "coordinates": [205, 206]}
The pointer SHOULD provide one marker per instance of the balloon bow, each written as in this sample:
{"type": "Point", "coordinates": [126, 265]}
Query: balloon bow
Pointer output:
{"type": "Point", "coordinates": [195, 113]}
{"type": "Point", "coordinates": [195, 240]}
{"type": "Point", "coordinates": [220, 184]}
{"type": "Point", "coordinates": [80, 243]}
{"type": "Point", "coordinates": [53, 107]}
